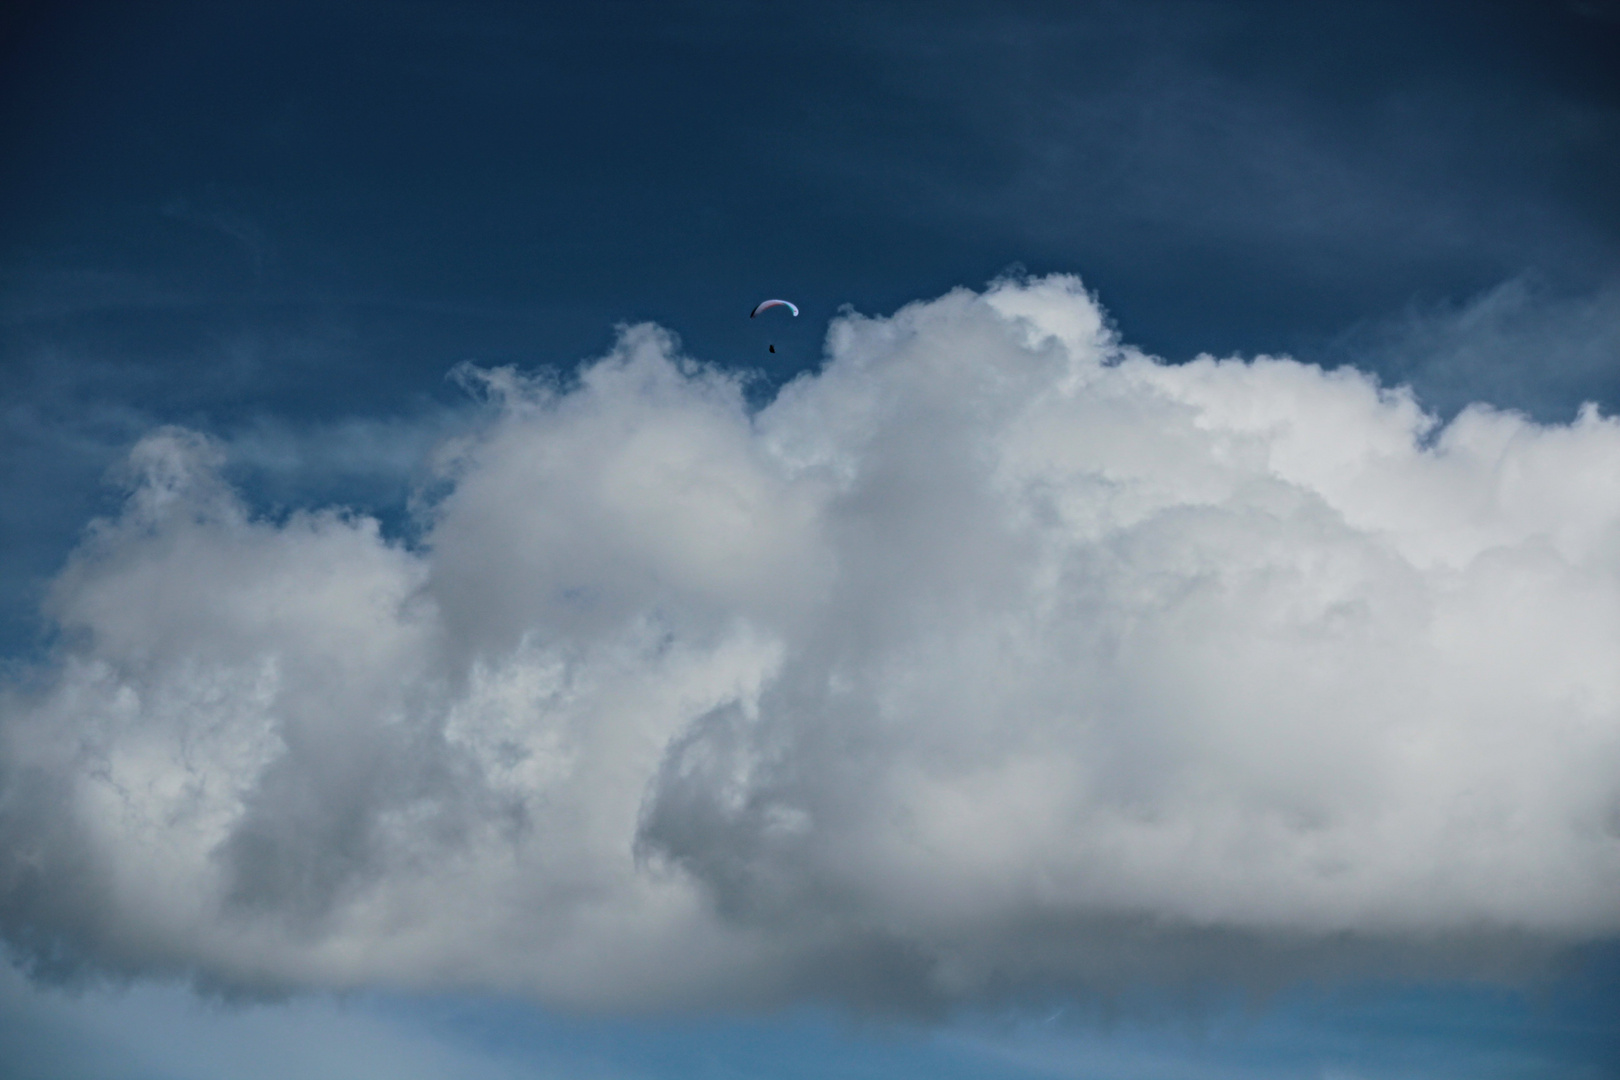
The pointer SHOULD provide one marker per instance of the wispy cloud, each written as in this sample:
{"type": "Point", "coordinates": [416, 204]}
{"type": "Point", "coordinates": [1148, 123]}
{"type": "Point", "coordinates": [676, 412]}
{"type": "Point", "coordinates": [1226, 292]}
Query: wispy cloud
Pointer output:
{"type": "Point", "coordinates": [1521, 343]}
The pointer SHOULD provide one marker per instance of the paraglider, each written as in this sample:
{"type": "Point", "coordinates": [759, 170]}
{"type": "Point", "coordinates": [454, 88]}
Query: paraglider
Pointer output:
{"type": "Point", "coordinates": [765, 305]}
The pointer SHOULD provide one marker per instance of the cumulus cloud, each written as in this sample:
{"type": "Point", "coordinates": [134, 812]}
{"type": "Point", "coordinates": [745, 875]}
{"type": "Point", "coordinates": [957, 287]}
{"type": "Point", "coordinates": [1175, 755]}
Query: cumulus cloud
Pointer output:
{"type": "Point", "coordinates": [994, 656]}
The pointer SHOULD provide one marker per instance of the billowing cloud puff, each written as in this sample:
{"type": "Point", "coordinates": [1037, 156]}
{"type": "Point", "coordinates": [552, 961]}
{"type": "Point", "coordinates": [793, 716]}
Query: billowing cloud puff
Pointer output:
{"type": "Point", "coordinates": [994, 656]}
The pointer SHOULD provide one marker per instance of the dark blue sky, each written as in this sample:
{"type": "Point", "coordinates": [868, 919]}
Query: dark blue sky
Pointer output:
{"type": "Point", "coordinates": [285, 223]}
{"type": "Point", "coordinates": [1230, 177]}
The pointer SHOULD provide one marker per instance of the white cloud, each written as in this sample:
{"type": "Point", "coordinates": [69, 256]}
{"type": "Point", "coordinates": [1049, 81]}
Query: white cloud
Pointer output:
{"type": "Point", "coordinates": [994, 656]}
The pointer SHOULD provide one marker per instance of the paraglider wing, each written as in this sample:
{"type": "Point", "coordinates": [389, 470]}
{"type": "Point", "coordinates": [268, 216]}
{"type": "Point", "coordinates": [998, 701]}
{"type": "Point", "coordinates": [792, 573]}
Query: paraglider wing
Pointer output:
{"type": "Point", "coordinates": [767, 304]}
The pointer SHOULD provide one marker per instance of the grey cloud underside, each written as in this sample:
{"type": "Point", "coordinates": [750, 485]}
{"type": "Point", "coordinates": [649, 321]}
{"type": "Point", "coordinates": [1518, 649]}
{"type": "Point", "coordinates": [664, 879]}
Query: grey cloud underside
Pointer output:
{"type": "Point", "coordinates": [994, 658]}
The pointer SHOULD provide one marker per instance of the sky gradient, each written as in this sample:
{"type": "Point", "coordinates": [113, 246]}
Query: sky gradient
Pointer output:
{"type": "Point", "coordinates": [1153, 614]}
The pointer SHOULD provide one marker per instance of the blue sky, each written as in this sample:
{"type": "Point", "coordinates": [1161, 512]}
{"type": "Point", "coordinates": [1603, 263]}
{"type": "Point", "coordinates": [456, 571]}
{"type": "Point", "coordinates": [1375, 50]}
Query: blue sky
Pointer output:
{"type": "Point", "coordinates": [1151, 615]}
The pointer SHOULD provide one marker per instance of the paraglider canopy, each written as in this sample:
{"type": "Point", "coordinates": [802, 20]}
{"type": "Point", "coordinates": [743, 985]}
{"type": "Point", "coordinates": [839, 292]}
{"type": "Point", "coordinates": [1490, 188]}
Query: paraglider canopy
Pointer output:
{"type": "Point", "coordinates": [767, 304]}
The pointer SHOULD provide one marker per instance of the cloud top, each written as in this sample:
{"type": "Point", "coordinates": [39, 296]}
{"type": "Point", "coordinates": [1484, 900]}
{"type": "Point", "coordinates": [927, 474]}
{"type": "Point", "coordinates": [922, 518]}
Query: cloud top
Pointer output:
{"type": "Point", "coordinates": [993, 656]}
